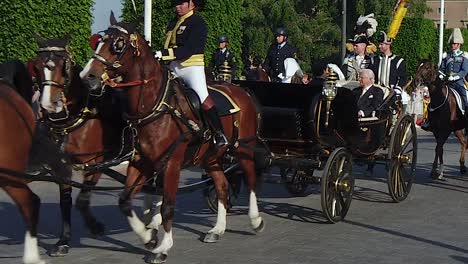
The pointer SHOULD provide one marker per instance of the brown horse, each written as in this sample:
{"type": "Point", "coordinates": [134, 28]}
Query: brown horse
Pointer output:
{"type": "Point", "coordinates": [17, 126]}
{"type": "Point", "coordinates": [444, 115]}
{"type": "Point", "coordinates": [166, 125]}
{"type": "Point", "coordinates": [76, 122]}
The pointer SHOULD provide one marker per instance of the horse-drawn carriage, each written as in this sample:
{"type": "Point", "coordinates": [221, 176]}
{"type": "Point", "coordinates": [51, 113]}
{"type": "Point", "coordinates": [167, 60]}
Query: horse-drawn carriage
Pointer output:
{"type": "Point", "coordinates": [303, 129]}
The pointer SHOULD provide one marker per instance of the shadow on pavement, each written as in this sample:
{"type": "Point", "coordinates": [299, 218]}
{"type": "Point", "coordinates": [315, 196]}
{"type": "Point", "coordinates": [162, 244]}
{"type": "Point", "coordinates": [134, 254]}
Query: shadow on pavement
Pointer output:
{"type": "Point", "coordinates": [408, 236]}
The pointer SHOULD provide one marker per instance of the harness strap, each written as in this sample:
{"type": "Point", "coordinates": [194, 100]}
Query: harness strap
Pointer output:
{"type": "Point", "coordinates": [113, 84]}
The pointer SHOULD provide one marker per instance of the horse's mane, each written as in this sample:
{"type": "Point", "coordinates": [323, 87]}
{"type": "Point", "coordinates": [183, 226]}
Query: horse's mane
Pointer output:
{"type": "Point", "coordinates": [15, 73]}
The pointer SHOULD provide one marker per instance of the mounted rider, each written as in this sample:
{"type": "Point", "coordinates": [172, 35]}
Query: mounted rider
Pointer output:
{"type": "Point", "coordinates": [223, 54]}
{"type": "Point", "coordinates": [453, 68]}
{"type": "Point", "coordinates": [277, 53]}
{"type": "Point", "coordinates": [184, 48]}
{"type": "Point", "coordinates": [389, 69]}
{"type": "Point", "coordinates": [455, 65]}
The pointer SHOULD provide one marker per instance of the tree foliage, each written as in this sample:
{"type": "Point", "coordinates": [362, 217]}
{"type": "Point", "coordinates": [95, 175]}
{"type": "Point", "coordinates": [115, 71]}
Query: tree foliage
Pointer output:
{"type": "Point", "coordinates": [312, 31]}
{"type": "Point", "coordinates": [50, 19]}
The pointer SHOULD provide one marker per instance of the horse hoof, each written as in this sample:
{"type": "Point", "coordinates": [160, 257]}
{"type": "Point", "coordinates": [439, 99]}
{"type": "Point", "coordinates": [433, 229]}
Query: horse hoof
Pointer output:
{"type": "Point", "coordinates": [156, 258]}
{"type": "Point", "coordinates": [96, 229]}
{"type": "Point", "coordinates": [211, 238]}
{"type": "Point", "coordinates": [260, 228]}
{"type": "Point", "coordinates": [154, 240]}
{"type": "Point", "coordinates": [59, 251]}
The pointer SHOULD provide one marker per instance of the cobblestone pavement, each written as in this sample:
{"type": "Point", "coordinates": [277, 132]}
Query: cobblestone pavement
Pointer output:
{"type": "Point", "coordinates": [429, 227]}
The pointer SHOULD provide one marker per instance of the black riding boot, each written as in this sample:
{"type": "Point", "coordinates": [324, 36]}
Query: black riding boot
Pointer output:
{"type": "Point", "coordinates": [426, 125]}
{"type": "Point", "coordinates": [216, 127]}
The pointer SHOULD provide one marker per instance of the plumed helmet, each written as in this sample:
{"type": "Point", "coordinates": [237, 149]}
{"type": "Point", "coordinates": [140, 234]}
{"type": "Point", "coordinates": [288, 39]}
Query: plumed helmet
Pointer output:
{"type": "Point", "coordinates": [281, 31]}
{"type": "Point", "coordinates": [222, 38]}
{"type": "Point", "coordinates": [94, 41]}
{"type": "Point", "coordinates": [383, 38]}
{"type": "Point", "coordinates": [366, 25]}
{"type": "Point", "coordinates": [456, 36]}
{"type": "Point", "coordinates": [198, 3]}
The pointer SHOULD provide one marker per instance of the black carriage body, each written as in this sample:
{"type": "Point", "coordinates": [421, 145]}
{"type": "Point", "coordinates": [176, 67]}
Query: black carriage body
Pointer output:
{"type": "Point", "coordinates": [295, 121]}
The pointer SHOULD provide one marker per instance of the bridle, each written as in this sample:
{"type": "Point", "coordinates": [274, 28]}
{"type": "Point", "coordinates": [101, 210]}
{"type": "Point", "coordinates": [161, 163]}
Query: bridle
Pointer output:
{"type": "Point", "coordinates": [433, 79]}
{"type": "Point", "coordinates": [61, 52]}
{"type": "Point", "coordinates": [57, 124]}
{"type": "Point", "coordinates": [120, 47]}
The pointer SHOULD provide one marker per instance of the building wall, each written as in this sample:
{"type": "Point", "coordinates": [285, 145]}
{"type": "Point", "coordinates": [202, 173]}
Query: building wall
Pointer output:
{"type": "Point", "coordinates": [456, 13]}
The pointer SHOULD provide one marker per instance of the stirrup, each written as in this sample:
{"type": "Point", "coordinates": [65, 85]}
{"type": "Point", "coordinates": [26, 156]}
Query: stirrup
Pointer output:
{"type": "Point", "coordinates": [426, 126]}
{"type": "Point", "coordinates": [219, 140]}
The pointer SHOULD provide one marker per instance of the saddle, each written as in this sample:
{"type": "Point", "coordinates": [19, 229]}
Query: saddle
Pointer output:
{"type": "Point", "coordinates": [224, 103]}
{"type": "Point", "coordinates": [458, 100]}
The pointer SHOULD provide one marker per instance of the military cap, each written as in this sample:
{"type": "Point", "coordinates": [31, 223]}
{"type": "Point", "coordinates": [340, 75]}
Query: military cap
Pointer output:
{"type": "Point", "coordinates": [281, 31]}
{"type": "Point", "coordinates": [222, 38]}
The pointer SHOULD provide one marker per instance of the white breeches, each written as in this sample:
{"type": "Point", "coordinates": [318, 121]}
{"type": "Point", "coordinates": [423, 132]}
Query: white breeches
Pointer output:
{"type": "Point", "coordinates": [193, 76]}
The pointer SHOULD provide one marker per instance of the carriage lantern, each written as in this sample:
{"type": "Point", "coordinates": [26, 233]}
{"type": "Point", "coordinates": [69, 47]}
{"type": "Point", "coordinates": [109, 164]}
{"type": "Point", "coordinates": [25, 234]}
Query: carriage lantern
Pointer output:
{"type": "Point", "coordinates": [224, 72]}
{"type": "Point", "coordinates": [329, 92]}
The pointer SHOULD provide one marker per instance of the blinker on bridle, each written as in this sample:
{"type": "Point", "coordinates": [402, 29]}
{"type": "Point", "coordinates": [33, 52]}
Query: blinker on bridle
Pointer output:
{"type": "Point", "coordinates": [119, 46]}
{"type": "Point", "coordinates": [50, 64]}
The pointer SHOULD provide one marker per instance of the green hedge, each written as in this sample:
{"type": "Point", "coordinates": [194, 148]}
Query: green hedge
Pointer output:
{"type": "Point", "coordinates": [222, 18]}
{"type": "Point", "coordinates": [49, 18]}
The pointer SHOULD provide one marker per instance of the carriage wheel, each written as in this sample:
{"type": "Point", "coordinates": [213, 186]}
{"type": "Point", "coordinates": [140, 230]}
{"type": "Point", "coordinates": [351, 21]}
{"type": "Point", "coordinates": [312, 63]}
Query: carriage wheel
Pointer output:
{"type": "Point", "coordinates": [337, 185]}
{"type": "Point", "coordinates": [402, 156]}
{"type": "Point", "coordinates": [296, 183]}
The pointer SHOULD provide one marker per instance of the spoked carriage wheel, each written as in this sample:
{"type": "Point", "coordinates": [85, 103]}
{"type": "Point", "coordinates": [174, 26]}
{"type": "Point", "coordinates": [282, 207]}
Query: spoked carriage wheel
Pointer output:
{"type": "Point", "coordinates": [402, 155]}
{"type": "Point", "coordinates": [337, 185]}
{"type": "Point", "coordinates": [295, 181]}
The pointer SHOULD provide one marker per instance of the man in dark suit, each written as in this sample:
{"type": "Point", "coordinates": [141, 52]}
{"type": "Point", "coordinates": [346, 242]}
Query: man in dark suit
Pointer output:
{"type": "Point", "coordinates": [277, 53]}
{"type": "Point", "coordinates": [369, 96]}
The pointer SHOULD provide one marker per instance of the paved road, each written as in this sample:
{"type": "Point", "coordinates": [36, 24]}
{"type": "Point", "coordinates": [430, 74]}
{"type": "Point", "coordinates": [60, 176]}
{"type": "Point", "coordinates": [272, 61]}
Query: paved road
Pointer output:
{"type": "Point", "coordinates": [429, 227]}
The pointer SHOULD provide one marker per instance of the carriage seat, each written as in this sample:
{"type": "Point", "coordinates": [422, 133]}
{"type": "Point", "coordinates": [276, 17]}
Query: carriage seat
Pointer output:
{"type": "Point", "coordinates": [388, 94]}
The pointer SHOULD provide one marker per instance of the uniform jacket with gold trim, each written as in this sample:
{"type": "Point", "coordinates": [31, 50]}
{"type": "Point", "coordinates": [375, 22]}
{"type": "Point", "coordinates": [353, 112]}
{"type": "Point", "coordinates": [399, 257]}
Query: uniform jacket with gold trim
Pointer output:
{"type": "Point", "coordinates": [351, 68]}
{"type": "Point", "coordinates": [185, 40]}
{"type": "Point", "coordinates": [274, 62]}
{"type": "Point", "coordinates": [390, 71]}
{"type": "Point", "coordinates": [455, 63]}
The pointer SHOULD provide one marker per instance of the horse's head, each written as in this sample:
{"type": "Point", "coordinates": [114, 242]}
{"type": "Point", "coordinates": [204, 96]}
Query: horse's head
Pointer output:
{"type": "Point", "coordinates": [119, 57]}
{"type": "Point", "coordinates": [426, 73]}
{"type": "Point", "coordinates": [54, 70]}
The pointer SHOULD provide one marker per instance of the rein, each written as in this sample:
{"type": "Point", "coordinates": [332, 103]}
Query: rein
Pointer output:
{"type": "Point", "coordinates": [435, 108]}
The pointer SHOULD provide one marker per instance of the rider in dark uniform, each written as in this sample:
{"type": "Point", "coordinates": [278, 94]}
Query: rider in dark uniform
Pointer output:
{"type": "Point", "coordinates": [223, 54]}
{"type": "Point", "coordinates": [389, 69]}
{"type": "Point", "coordinates": [277, 53]}
{"type": "Point", "coordinates": [184, 48]}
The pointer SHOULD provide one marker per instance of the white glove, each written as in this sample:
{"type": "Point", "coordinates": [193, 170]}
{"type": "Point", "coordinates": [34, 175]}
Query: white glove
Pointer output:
{"type": "Point", "coordinates": [441, 76]}
{"type": "Point", "coordinates": [281, 76]}
{"type": "Point", "coordinates": [158, 55]}
{"type": "Point", "coordinates": [361, 113]}
{"type": "Point", "coordinates": [453, 78]}
{"type": "Point", "coordinates": [337, 70]}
